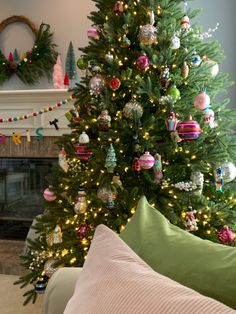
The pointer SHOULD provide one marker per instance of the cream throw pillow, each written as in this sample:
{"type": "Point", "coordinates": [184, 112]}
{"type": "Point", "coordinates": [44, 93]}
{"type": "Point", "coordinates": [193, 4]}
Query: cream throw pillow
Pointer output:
{"type": "Point", "coordinates": [115, 280]}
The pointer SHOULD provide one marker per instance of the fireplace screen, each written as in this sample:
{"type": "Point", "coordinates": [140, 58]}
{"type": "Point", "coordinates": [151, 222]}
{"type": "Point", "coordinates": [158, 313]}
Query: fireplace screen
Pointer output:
{"type": "Point", "coordinates": [22, 182]}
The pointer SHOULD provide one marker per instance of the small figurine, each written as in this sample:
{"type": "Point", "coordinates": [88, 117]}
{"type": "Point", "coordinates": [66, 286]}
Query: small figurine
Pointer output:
{"type": "Point", "coordinates": [190, 220]}
{"type": "Point", "coordinates": [158, 175]}
{"type": "Point", "coordinates": [104, 121]}
{"type": "Point", "coordinates": [165, 77]}
{"type": "Point", "coordinates": [219, 181]}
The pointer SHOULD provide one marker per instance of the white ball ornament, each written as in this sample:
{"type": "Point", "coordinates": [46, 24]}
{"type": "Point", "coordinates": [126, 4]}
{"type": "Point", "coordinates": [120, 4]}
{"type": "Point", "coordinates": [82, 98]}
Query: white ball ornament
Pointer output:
{"type": "Point", "coordinates": [213, 67]}
{"type": "Point", "coordinates": [202, 101]}
{"type": "Point", "coordinates": [229, 171]}
{"type": "Point", "coordinates": [146, 161]}
{"type": "Point", "coordinates": [133, 109]}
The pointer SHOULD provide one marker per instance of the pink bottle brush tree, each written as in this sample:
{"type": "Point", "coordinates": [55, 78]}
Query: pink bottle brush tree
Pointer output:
{"type": "Point", "coordinates": [58, 76]}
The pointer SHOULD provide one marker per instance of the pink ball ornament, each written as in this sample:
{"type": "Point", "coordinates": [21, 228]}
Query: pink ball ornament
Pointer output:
{"type": "Point", "coordinates": [93, 34]}
{"type": "Point", "coordinates": [49, 195]}
{"type": "Point", "coordinates": [202, 101]}
{"type": "Point", "coordinates": [189, 130]}
{"type": "Point", "coordinates": [142, 62]}
{"type": "Point", "coordinates": [146, 161]}
{"type": "Point", "coordinates": [82, 230]}
{"type": "Point", "coordinates": [226, 235]}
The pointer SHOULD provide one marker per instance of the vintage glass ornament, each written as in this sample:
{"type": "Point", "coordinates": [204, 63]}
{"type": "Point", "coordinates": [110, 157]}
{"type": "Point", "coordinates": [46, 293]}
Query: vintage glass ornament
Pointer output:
{"type": "Point", "coordinates": [195, 61]}
{"type": "Point", "coordinates": [82, 230]}
{"type": "Point", "coordinates": [229, 171]}
{"type": "Point", "coordinates": [133, 109]}
{"type": "Point", "coordinates": [213, 67]}
{"type": "Point", "coordinates": [226, 235]}
{"type": "Point", "coordinates": [189, 130]}
{"type": "Point", "coordinates": [118, 7]}
{"type": "Point", "coordinates": [147, 33]}
{"type": "Point", "coordinates": [185, 70]}
{"type": "Point", "coordinates": [125, 42]}
{"type": "Point", "coordinates": [107, 193]}
{"type": "Point", "coordinates": [40, 285]}
{"type": "Point", "coordinates": [96, 84]}
{"type": "Point", "coordinates": [185, 23]}
{"type": "Point", "coordinates": [81, 149]}
{"type": "Point", "coordinates": [136, 166]}
{"type": "Point", "coordinates": [190, 220]}
{"type": "Point", "coordinates": [202, 101]}
{"type": "Point", "coordinates": [146, 161]}
{"type": "Point", "coordinates": [49, 195]}
{"type": "Point", "coordinates": [93, 33]}
{"type": "Point", "coordinates": [198, 179]}
{"type": "Point", "coordinates": [165, 77]}
{"type": "Point", "coordinates": [142, 62]}
{"type": "Point", "coordinates": [62, 160]}
{"type": "Point", "coordinates": [110, 162]}
{"type": "Point", "coordinates": [219, 181]}
{"type": "Point", "coordinates": [109, 57]}
{"type": "Point", "coordinates": [81, 203]}
{"type": "Point", "coordinates": [81, 63]}
{"type": "Point", "coordinates": [57, 235]}
{"type": "Point", "coordinates": [209, 117]}
{"type": "Point", "coordinates": [158, 174]}
{"type": "Point", "coordinates": [114, 83]}
{"type": "Point", "coordinates": [104, 121]}
{"type": "Point", "coordinates": [174, 92]}
{"type": "Point", "coordinates": [49, 267]}
{"type": "Point", "coordinates": [171, 122]}
{"type": "Point", "coordinates": [175, 42]}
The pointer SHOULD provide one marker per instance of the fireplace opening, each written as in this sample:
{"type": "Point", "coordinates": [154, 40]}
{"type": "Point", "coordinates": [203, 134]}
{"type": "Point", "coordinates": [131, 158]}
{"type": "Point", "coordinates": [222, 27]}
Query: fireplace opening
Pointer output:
{"type": "Point", "coordinates": [22, 182]}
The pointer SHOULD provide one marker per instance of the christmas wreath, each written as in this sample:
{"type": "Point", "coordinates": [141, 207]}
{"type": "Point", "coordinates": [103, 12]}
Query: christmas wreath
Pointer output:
{"type": "Point", "coordinates": [33, 64]}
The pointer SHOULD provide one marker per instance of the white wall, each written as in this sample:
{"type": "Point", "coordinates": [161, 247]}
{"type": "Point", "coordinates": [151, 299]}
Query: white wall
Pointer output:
{"type": "Point", "coordinates": [68, 21]}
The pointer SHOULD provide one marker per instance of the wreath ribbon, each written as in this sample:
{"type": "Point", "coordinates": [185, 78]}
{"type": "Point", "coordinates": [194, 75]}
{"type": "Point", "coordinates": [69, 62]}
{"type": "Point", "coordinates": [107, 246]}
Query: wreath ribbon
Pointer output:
{"type": "Point", "coordinates": [37, 62]}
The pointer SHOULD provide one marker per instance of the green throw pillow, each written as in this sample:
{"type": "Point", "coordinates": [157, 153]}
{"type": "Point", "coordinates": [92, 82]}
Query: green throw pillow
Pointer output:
{"type": "Point", "coordinates": [202, 265]}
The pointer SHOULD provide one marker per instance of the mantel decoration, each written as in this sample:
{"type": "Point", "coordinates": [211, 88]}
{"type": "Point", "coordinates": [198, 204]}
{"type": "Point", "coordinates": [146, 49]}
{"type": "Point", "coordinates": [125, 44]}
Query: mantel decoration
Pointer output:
{"type": "Point", "coordinates": [33, 64]}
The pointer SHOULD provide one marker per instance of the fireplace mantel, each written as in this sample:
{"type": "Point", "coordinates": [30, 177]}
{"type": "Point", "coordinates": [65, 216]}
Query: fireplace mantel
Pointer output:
{"type": "Point", "coordinates": [16, 103]}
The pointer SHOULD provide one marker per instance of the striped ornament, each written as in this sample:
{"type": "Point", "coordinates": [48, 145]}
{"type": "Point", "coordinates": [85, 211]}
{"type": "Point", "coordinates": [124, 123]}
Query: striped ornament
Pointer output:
{"type": "Point", "coordinates": [146, 161]}
{"type": "Point", "coordinates": [189, 130]}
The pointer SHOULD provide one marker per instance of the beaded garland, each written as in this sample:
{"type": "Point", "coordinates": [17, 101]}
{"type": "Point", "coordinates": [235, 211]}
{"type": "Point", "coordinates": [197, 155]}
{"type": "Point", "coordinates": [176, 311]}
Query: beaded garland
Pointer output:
{"type": "Point", "coordinates": [36, 113]}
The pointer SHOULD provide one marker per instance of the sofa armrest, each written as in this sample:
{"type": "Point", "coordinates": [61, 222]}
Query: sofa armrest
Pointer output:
{"type": "Point", "coordinates": [60, 289]}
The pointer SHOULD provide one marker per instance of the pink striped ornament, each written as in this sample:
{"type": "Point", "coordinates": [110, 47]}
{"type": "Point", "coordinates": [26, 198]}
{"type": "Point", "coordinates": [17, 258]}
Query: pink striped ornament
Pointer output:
{"type": "Point", "coordinates": [146, 161]}
{"type": "Point", "coordinates": [189, 130]}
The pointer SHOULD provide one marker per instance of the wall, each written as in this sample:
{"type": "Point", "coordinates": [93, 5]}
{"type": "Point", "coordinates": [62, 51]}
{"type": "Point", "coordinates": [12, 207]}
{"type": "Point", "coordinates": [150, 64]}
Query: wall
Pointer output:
{"type": "Point", "coordinates": [68, 21]}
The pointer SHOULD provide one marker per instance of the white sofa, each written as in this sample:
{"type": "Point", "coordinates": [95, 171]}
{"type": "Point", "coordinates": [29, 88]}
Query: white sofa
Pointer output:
{"type": "Point", "coordinates": [60, 289]}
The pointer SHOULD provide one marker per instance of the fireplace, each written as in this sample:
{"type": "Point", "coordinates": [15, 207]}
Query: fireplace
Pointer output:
{"type": "Point", "coordinates": [22, 182]}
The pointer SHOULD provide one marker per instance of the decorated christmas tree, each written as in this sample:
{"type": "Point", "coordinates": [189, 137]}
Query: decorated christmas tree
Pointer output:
{"type": "Point", "coordinates": [150, 118]}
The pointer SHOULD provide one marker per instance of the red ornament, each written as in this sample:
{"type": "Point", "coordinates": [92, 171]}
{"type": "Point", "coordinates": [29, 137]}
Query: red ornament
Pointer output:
{"type": "Point", "coordinates": [118, 7]}
{"type": "Point", "coordinates": [35, 114]}
{"type": "Point", "coordinates": [226, 235]}
{"type": "Point", "coordinates": [189, 130]}
{"type": "Point", "coordinates": [114, 83]}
